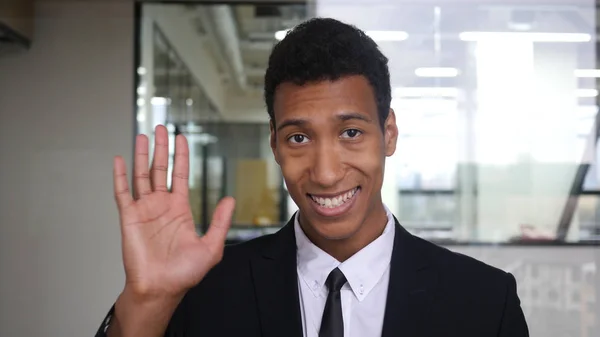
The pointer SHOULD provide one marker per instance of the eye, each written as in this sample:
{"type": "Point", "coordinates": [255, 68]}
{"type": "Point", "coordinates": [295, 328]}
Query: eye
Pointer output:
{"type": "Point", "coordinates": [351, 133]}
{"type": "Point", "coordinates": [298, 139]}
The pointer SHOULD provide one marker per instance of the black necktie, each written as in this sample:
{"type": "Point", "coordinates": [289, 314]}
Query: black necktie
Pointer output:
{"type": "Point", "coordinates": [332, 324]}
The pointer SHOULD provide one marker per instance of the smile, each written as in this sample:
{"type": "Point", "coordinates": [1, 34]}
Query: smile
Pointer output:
{"type": "Point", "coordinates": [334, 205]}
{"type": "Point", "coordinates": [335, 201]}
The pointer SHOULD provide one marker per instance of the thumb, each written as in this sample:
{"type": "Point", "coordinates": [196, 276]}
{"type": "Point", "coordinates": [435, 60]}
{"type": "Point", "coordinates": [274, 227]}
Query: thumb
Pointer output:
{"type": "Point", "coordinates": [221, 221]}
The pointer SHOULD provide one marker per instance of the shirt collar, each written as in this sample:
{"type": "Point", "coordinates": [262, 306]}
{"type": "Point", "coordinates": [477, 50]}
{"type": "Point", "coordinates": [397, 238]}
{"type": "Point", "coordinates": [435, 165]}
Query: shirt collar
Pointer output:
{"type": "Point", "coordinates": [363, 270]}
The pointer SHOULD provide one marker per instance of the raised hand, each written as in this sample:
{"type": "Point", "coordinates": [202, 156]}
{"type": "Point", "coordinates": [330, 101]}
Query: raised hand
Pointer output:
{"type": "Point", "coordinates": [162, 254]}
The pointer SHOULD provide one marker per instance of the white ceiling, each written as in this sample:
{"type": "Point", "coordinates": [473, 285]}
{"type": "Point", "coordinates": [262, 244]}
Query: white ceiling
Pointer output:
{"type": "Point", "coordinates": [239, 38]}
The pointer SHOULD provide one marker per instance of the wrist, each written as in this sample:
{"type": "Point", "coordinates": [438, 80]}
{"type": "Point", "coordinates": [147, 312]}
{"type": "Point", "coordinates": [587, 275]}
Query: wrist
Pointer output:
{"type": "Point", "coordinates": [142, 315]}
{"type": "Point", "coordinates": [133, 296]}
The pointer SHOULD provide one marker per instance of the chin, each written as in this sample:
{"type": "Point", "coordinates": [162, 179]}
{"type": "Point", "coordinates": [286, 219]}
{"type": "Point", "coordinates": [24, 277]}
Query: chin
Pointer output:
{"type": "Point", "coordinates": [337, 235]}
{"type": "Point", "coordinates": [330, 230]}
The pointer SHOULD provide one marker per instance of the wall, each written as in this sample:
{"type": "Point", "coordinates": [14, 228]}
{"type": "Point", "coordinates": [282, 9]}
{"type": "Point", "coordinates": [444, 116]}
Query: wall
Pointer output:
{"type": "Point", "coordinates": [65, 110]}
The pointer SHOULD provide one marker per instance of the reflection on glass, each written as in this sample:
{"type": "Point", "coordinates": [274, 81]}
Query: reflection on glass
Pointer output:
{"type": "Point", "coordinates": [496, 108]}
{"type": "Point", "coordinates": [588, 217]}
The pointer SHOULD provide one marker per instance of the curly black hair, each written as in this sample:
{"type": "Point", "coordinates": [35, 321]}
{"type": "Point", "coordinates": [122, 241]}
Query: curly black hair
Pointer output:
{"type": "Point", "coordinates": [326, 49]}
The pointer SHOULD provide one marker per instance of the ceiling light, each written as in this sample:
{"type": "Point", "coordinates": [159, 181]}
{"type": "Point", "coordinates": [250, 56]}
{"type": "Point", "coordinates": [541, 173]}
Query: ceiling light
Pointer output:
{"type": "Point", "coordinates": [203, 138]}
{"type": "Point", "coordinates": [279, 35]}
{"type": "Point", "coordinates": [192, 128]}
{"type": "Point", "coordinates": [436, 72]}
{"type": "Point", "coordinates": [423, 104]}
{"type": "Point", "coordinates": [587, 72]}
{"type": "Point", "coordinates": [158, 101]}
{"type": "Point", "coordinates": [529, 36]}
{"type": "Point", "coordinates": [387, 35]}
{"type": "Point", "coordinates": [377, 35]}
{"type": "Point", "coordinates": [426, 92]}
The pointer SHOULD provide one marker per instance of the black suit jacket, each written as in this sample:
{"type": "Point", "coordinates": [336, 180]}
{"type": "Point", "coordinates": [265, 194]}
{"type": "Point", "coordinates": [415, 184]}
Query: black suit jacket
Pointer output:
{"type": "Point", "coordinates": [432, 292]}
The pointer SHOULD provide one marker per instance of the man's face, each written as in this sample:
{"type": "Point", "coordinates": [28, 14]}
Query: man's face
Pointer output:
{"type": "Point", "coordinates": [328, 140]}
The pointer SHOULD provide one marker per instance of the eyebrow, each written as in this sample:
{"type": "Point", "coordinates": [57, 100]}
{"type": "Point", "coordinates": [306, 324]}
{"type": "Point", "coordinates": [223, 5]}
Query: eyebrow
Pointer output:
{"type": "Point", "coordinates": [346, 116]}
{"type": "Point", "coordinates": [292, 122]}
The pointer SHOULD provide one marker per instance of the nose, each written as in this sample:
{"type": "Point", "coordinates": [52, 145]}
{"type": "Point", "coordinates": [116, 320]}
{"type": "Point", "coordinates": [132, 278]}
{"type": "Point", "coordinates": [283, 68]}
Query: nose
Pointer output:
{"type": "Point", "coordinates": [327, 168]}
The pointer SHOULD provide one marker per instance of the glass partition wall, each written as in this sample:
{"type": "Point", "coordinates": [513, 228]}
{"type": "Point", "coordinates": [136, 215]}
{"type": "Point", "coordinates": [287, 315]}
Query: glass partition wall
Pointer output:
{"type": "Point", "coordinates": [496, 106]}
{"type": "Point", "coordinates": [226, 157]}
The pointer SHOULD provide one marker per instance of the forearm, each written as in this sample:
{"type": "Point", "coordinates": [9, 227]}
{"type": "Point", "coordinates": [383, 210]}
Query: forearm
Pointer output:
{"type": "Point", "coordinates": [141, 317]}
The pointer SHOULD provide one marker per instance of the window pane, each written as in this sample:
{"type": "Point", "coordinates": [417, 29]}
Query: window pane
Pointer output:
{"type": "Point", "coordinates": [491, 143]}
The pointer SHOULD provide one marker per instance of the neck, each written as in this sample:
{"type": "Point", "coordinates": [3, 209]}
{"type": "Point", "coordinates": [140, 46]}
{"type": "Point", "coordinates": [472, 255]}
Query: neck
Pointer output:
{"type": "Point", "coordinates": [342, 249]}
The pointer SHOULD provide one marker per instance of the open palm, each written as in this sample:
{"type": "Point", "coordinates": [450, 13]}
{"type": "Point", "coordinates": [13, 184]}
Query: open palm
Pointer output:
{"type": "Point", "coordinates": [162, 253]}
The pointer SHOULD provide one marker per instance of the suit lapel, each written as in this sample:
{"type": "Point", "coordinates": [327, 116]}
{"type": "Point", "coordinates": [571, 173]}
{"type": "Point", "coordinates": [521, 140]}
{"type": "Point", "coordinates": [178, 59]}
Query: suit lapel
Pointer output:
{"type": "Point", "coordinates": [411, 288]}
{"type": "Point", "coordinates": [276, 286]}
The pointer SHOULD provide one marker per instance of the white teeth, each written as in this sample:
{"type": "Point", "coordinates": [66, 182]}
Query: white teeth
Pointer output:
{"type": "Point", "coordinates": [336, 201]}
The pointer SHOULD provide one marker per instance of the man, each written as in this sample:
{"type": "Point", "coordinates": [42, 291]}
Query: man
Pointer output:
{"type": "Point", "coordinates": [343, 265]}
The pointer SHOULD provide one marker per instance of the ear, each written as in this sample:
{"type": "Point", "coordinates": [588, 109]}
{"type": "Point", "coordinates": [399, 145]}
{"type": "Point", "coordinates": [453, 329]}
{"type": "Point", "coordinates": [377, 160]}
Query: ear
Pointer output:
{"type": "Point", "coordinates": [273, 140]}
{"type": "Point", "coordinates": [390, 133]}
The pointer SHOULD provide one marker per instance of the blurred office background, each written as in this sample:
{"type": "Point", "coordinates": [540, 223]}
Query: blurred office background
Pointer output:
{"type": "Point", "coordinates": [496, 102]}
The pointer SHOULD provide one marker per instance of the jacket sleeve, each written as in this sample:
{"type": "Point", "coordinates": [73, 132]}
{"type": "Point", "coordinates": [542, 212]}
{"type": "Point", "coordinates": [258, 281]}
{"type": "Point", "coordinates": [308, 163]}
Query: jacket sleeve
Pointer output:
{"type": "Point", "coordinates": [200, 310]}
{"type": "Point", "coordinates": [513, 322]}
{"type": "Point", "coordinates": [105, 323]}
{"type": "Point", "coordinates": [174, 329]}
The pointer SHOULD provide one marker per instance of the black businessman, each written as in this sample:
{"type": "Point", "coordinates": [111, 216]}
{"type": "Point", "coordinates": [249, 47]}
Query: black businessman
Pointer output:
{"type": "Point", "coordinates": [343, 265]}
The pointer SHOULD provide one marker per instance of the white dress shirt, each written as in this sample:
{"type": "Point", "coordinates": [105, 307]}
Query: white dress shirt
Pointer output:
{"type": "Point", "coordinates": [363, 296]}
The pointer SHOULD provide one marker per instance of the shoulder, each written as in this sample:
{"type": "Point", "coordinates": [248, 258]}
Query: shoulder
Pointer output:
{"type": "Point", "coordinates": [245, 251]}
{"type": "Point", "coordinates": [462, 273]}
{"type": "Point", "coordinates": [235, 263]}
{"type": "Point", "coordinates": [227, 290]}
{"type": "Point", "coordinates": [472, 294]}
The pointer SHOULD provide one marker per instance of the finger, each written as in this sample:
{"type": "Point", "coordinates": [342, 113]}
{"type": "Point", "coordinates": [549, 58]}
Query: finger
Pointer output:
{"type": "Point", "coordinates": [160, 162]}
{"type": "Point", "coordinates": [220, 224]}
{"type": "Point", "coordinates": [141, 181]}
{"type": "Point", "coordinates": [181, 167]}
{"type": "Point", "coordinates": [120, 185]}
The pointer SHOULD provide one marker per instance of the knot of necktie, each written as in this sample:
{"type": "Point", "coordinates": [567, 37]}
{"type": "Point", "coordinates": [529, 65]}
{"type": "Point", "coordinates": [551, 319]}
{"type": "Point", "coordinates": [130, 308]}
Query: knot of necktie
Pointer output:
{"type": "Point", "coordinates": [335, 280]}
